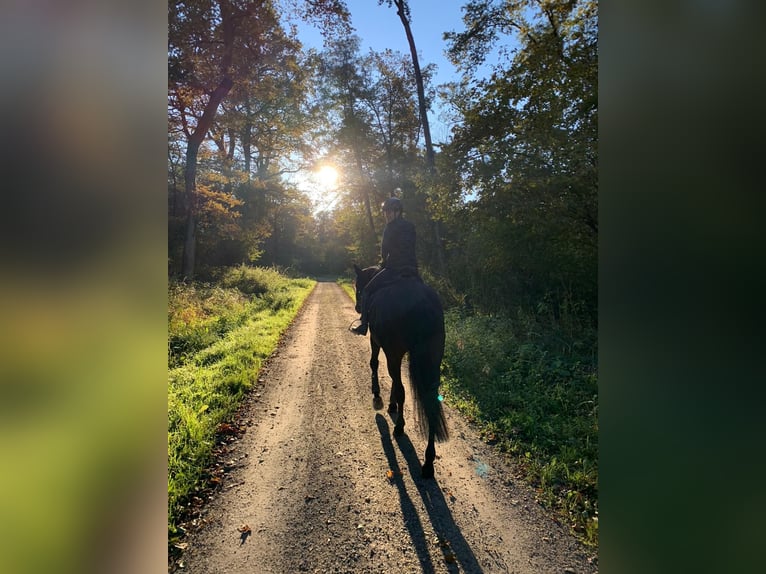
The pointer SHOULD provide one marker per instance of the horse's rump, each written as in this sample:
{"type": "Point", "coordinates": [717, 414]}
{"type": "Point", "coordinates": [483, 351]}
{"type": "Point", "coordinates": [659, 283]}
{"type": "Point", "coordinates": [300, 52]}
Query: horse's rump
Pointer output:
{"type": "Point", "coordinates": [406, 305]}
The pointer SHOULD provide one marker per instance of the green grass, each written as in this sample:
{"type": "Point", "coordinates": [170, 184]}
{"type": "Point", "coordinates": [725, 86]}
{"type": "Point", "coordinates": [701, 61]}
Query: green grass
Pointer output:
{"type": "Point", "coordinates": [200, 315]}
{"type": "Point", "coordinates": [348, 286]}
{"type": "Point", "coordinates": [218, 337]}
{"type": "Point", "coordinates": [531, 387]}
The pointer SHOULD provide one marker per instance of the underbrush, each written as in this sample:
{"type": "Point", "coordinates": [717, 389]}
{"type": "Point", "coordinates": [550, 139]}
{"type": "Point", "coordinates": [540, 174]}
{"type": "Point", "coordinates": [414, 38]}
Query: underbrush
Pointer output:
{"type": "Point", "coordinates": [218, 337]}
{"type": "Point", "coordinates": [531, 386]}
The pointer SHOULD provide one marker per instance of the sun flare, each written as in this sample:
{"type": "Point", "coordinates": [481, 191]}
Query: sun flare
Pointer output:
{"type": "Point", "coordinates": [327, 176]}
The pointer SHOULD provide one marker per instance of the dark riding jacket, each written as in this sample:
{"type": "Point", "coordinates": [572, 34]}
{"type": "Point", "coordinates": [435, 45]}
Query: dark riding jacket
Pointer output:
{"type": "Point", "coordinates": [397, 250]}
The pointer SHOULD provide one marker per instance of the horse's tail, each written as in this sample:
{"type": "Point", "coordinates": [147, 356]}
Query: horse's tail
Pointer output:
{"type": "Point", "coordinates": [425, 364]}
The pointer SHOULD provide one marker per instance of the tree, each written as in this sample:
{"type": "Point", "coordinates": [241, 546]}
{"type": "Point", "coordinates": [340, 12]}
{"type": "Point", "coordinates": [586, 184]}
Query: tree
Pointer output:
{"type": "Point", "coordinates": [394, 116]}
{"type": "Point", "coordinates": [259, 131]}
{"type": "Point", "coordinates": [212, 46]}
{"type": "Point", "coordinates": [403, 11]}
{"type": "Point", "coordinates": [526, 149]}
{"type": "Point", "coordinates": [347, 84]}
{"type": "Point", "coordinates": [201, 52]}
{"type": "Point", "coordinates": [377, 130]}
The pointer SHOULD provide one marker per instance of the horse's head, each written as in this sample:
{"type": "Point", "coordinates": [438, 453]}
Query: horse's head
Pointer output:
{"type": "Point", "coordinates": [363, 277]}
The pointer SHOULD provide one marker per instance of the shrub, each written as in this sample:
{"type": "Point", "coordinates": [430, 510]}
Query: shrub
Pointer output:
{"type": "Point", "coordinates": [253, 280]}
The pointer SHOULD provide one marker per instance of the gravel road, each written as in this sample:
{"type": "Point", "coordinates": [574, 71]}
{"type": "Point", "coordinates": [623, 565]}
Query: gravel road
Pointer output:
{"type": "Point", "coordinates": [309, 478]}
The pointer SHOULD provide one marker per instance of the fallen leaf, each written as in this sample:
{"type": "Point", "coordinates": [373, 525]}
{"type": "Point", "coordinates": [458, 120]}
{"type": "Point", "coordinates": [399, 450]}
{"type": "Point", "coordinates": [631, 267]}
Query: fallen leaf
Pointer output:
{"type": "Point", "coordinates": [389, 474]}
{"type": "Point", "coordinates": [226, 428]}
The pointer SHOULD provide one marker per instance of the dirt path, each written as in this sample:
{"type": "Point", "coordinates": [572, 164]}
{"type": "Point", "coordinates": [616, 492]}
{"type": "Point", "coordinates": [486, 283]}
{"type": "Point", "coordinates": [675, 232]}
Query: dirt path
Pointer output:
{"type": "Point", "coordinates": [310, 478]}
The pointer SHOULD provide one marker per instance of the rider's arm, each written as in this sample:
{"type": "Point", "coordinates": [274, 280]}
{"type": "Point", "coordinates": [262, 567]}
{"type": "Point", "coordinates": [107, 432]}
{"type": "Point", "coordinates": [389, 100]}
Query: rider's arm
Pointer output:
{"type": "Point", "coordinates": [385, 247]}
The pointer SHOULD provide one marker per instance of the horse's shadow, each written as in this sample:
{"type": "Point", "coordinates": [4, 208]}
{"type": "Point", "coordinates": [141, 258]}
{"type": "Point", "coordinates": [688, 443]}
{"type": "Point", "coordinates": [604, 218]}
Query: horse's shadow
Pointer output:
{"type": "Point", "coordinates": [455, 549]}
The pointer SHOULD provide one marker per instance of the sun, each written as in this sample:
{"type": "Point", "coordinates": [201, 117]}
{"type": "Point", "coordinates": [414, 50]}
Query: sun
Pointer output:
{"type": "Point", "coordinates": [327, 176]}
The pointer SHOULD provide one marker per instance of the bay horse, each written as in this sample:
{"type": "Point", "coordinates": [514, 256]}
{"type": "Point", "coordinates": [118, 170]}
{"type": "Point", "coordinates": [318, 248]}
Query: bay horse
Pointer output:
{"type": "Point", "coordinates": [406, 317]}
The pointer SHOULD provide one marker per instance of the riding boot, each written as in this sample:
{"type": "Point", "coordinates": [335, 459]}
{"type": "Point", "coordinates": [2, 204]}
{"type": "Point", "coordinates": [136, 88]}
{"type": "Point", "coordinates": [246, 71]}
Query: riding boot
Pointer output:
{"type": "Point", "coordinates": [361, 329]}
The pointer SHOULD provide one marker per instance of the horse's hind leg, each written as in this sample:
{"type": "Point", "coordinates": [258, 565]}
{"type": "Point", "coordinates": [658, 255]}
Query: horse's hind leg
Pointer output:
{"type": "Point", "coordinates": [377, 402]}
{"type": "Point", "coordinates": [427, 471]}
{"type": "Point", "coordinates": [396, 398]}
{"type": "Point", "coordinates": [392, 402]}
{"type": "Point", "coordinates": [396, 401]}
{"type": "Point", "coordinates": [392, 398]}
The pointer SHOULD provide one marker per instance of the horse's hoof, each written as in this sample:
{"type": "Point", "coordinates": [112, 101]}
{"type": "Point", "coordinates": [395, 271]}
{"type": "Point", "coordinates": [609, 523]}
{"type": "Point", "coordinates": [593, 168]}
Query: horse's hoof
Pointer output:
{"type": "Point", "coordinates": [427, 471]}
{"type": "Point", "coordinates": [377, 403]}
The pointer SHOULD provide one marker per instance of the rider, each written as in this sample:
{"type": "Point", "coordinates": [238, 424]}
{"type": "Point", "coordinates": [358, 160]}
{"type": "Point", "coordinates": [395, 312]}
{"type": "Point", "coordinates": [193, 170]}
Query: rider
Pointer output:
{"type": "Point", "coordinates": [397, 252]}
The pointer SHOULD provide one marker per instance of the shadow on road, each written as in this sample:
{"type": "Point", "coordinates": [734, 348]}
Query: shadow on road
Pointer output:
{"type": "Point", "coordinates": [453, 545]}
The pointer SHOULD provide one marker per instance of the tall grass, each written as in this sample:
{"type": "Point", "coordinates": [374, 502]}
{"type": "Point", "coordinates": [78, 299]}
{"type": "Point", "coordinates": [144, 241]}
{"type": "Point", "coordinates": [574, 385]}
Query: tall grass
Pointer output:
{"type": "Point", "coordinates": [531, 385]}
{"type": "Point", "coordinates": [218, 337]}
{"type": "Point", "coordinates": [202, 314]}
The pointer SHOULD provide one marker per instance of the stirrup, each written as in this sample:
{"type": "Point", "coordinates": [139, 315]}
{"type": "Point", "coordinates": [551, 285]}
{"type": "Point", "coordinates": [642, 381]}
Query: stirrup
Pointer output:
{"type": "Point", "coordinates": [360, 329]}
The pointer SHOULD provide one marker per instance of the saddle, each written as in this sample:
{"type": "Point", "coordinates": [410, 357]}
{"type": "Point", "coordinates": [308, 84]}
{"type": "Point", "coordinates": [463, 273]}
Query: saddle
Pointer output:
{"type": "Point", "coordinates": [391, 278]}
{"type": "Point", "coordinates": [406, 272]}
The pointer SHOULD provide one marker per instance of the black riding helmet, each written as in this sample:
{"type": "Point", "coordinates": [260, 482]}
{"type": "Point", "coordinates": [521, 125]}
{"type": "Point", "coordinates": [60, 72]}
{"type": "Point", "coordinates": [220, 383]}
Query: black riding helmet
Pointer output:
{"type": "Point", "coordinates": [392, 204]}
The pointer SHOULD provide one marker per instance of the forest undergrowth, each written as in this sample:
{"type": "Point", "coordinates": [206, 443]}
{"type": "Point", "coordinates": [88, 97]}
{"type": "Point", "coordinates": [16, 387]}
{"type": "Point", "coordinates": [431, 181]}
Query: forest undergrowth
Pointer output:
{"type": "Point", "coordinates": [530, 384]}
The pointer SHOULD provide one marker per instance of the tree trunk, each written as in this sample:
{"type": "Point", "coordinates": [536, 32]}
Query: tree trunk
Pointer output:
{"type": "Point", "coordinates": [430, 161]}
{"type": "Point", "coordinates": [364, 191]}
{"type": "Point", "coordinates": [360, 167]}
{"type": "Point", "coordinates": [190, 173]}
{"type": "Point", "coordinates": [190, 187]}
{"type": "Point", "coordinates": [246, 139]}
{"type": "Point", "coordinates": [198, 136]}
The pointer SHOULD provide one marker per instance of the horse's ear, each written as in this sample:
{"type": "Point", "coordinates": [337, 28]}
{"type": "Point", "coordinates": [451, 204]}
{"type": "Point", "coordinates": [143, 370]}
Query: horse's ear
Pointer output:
{"type": "Point", "coordinates": [357, 269]}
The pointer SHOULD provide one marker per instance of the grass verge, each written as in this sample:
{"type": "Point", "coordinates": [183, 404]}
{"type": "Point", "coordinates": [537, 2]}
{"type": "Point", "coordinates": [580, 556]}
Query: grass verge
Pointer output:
{"type": "Point", "coordinates": [532, 389]}
{"type": "Point", "coordinates": [348, 286]}
{"type": "Point", "coordinates": [218, 337]}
